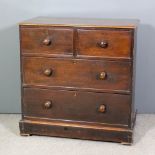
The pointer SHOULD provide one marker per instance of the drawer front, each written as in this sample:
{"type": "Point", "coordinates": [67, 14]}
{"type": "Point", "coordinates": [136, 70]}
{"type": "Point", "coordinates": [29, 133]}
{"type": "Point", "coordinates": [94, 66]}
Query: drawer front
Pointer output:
{"type": "Point", "coordinates": [106, 43]}
{"type": "Point", "coordinates": [87, 74]}
{"type": "Point", "coordinates": [47, 41]}
{"type": "Point", "coordinates": [76, 105]}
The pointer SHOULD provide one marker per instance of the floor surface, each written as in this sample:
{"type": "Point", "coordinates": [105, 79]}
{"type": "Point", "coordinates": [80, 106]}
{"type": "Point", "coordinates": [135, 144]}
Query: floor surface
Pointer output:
{"type": "Point", "coordinates": [11, 143]}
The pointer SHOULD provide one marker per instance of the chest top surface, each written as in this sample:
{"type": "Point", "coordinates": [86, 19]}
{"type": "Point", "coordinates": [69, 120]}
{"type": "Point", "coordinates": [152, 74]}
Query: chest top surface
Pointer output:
{"type": "Point", "coordinates": [82, 22]}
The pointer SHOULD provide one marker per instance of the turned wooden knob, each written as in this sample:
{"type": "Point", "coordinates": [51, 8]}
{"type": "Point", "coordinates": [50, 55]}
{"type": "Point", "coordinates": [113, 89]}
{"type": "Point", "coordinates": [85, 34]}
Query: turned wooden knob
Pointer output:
{"type": "Point", "coordinates": [102, 108]}
{"type": "Point", "coordinates": [46, 41]}
{"type": "Point", "coordinates": [103, 44]}
{"type": "Point", "coordinates": [48, 72]}
{"type": "Point", "coordinates": [103, 75]}
{"type": "Point", "coordinates": [48, 104]}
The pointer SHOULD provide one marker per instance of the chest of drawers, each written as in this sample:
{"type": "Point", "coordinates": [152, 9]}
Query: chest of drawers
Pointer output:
{"type": "Point", "coordinates": [78, 78]}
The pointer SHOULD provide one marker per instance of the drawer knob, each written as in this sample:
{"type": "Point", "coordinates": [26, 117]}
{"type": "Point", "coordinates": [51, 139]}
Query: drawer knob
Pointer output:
{"type": "Point", "coordinates": [103, 44]}
{"type": "Point", "coordinates": [102, 108]}
{"type": "Point", "coordinates": [48, 104]}
{"type": "Point", "coordinates": [48, 72]}
{"type": "Point", "coordinates": [102, 75]}
{"type": "Point", "coordinates": [46, 41]}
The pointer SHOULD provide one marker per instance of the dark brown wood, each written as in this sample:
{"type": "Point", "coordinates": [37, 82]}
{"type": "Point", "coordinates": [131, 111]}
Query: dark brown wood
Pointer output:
{"type": "Point", "coordinates": [102, 133]}
{"type": "Point", "coordinates": [104, 43]}
{"type": "Point", "coordinates": [103, 75]}
{"type": "Point", "coordinates": [78, 78]}
{"type": "Point", "coordinates": [82, 22]}
{"type": "Point", "coordinates": [73, 108]}
{"type": "Point", "coordinates": [77, 73]}
{"type": "Point", "coordinates": [48, 72]}
{"type": "Point", "coordinates": [102, 108]}
{"type": "Point", "coordinates": [47, 41]}
{"type": "Point", "coordinates": [47, 104]}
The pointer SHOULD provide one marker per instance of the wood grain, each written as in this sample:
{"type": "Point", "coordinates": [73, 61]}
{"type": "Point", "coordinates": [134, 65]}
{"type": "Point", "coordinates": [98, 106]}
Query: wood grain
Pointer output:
{"type": "Point", "coordinates": [111, 134]}
{"type": "Point", "coordinates": [118, 43]}
{"type": "Point", "coordinates": [81, 22]}
{"type": "Point", "coordinates": [67, 105]}
{"type": "Point", "coordinates": [77, 73]}
{"type": "Point", "coordinates": [61, 41]}
{"type": "Point", "coordinates": [78, 78]}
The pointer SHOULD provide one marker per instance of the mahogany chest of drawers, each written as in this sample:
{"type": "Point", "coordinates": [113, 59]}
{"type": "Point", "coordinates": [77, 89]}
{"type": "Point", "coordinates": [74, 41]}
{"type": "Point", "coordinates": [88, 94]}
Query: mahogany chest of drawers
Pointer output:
{"type": "Point", "coordinates": [78, 78]}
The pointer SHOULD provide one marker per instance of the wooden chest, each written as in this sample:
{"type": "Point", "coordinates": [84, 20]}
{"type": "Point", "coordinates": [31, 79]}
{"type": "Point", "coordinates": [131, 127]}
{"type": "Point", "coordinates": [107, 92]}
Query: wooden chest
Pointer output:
{"type": "Point", "coordinates": [78, 78]}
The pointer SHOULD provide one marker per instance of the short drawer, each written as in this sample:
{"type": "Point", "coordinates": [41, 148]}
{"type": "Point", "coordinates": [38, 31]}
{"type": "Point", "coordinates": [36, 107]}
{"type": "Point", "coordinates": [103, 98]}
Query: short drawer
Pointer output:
{"type": "Point", "coordinates": [77, 106]}
{"type": "Point", "coordinates": [105, 43]}
{"type": "Point", "coordinates": [47, 40]}
{"type": "Point", "coordinates": [74, 73]}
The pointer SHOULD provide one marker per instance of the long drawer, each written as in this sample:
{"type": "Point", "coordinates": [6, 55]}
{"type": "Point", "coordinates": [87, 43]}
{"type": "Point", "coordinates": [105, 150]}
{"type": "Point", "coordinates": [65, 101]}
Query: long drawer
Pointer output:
{"type": "Point", "coordinates": [71, 73]}
{"type": "Point", "coordinates": [77, 105]}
